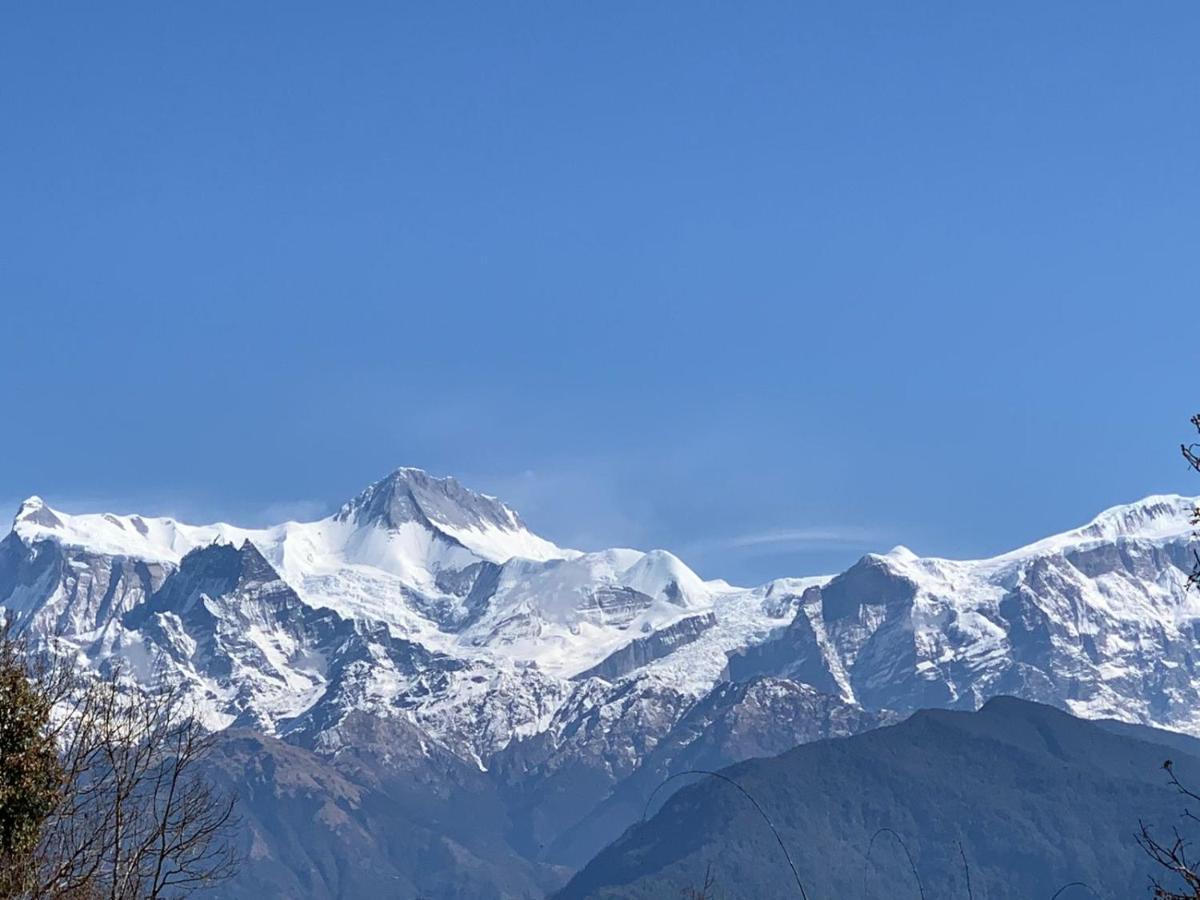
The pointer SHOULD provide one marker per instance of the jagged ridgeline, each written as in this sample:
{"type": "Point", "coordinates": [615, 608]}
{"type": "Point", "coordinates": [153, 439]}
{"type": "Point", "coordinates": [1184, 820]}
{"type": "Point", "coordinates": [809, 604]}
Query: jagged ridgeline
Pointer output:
{"type": "Point", "coordinates": [421, 685]}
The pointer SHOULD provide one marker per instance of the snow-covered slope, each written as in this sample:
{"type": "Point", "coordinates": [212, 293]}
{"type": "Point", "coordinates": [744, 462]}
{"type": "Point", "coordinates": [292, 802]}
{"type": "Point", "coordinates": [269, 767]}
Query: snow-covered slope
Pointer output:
{"type": "Point", "coordinates": [565, 672]}
{"type": "Point", "coordinates": [425, 556]}
{"type": "Point", "coordinates": [435, 566]}
{"type": "Point", "coordinates": [407, 534]}
{"type": "Point", "coordinates": [1098, 620]}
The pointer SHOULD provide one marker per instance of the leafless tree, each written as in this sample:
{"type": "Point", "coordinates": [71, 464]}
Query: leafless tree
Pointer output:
{"type": "Point", "coordinates": [1173, 854]}
{"type": "Point", "coordinates": [706, 891]}
{"type": "Point", "coordinates": [1191, 452]}
{"type": "Point", "coordinates": [135, 818]}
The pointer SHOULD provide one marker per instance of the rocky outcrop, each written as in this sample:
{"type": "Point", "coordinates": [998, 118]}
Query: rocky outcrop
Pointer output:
{"type": "Point", "coordinates": [643, 650]}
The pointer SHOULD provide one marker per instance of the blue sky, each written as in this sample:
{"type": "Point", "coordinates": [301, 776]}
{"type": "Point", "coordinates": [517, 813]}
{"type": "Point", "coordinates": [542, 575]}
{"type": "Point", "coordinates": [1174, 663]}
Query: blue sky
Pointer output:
{"type": "Point", "coordinates": [767, 284]}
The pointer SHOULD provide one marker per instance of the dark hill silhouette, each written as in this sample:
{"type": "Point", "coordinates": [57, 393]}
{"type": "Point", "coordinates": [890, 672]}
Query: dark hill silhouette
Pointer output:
{"type": "Point", "coordinates": [1035, 797]}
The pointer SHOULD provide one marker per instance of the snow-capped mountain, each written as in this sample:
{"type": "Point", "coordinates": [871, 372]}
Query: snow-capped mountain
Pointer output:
{"type": "Point", "coordinates": [494, 621]}
{"type": "Point", "coordinates": [1098, 620]}
{"type": "Point", "coordinates": [576, 681]}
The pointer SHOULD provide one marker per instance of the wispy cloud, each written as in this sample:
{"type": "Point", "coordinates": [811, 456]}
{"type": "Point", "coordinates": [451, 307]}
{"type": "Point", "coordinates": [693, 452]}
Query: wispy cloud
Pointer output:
{"type": "Point", "coordinates": [836, 534]}
{"type": "Point", "coordinates": [292, 511]}
{"type": "Point", "coordinates": [574, 504]}
{"type": "Point", "coordinates": [774, 539]}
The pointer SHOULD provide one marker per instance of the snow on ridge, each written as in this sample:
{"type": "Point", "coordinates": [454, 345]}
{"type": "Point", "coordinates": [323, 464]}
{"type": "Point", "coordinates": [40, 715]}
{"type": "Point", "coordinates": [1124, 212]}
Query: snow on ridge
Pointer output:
{"type": "Point", "coordinates": [483, 524]}
{"type": "Point", "coordinates": [153, 539]}
{"type": "Point", "coordinates": [967, 583]}
{"type": "Point", "coordinates": [661, 574]}
{"type": "Point", "coordinates": [520, 616]}
{"type": "Point", "coordinates": [566, 615]}
{"type": "Point", "coordinates": [1156, 518]}
{"type": "Point", "coordinates": [500, 545]}
{"type": "Point", "coordinates": [492, 532]}
{"type": "Point", "coordinates": [549, 607]}
{"type": "Point", "coordinates": [495, 533]}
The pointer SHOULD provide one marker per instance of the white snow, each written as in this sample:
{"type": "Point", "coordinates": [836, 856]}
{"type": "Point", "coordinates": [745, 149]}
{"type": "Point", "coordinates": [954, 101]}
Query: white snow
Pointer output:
{"type": "Point", "coordinates": [557, 612]}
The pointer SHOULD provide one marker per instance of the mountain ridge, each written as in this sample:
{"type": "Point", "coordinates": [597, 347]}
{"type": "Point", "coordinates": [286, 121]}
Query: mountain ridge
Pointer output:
{"type": "Point", "coordinates": [574, 682]}
{"type": "Point", "coordinates": [1019, 797]}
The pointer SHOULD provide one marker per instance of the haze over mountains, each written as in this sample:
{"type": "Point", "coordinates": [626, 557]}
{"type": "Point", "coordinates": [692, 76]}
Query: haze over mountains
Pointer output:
{"type": "Point", "coordinates": [1012, 802]}
{"type": "Point", "coordinates": [421, 683]}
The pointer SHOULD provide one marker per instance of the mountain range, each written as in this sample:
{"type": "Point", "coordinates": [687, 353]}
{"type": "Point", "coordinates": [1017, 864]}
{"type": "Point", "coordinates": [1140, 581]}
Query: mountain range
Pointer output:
{"type": "Point", "coordinates": [1015, 801]}
{"type": "Point", "coordinates": [421, 683]}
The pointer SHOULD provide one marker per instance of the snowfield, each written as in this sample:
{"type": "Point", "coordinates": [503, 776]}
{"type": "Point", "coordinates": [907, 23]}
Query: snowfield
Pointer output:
{"type": "Point", "coordinates": [422, 600]}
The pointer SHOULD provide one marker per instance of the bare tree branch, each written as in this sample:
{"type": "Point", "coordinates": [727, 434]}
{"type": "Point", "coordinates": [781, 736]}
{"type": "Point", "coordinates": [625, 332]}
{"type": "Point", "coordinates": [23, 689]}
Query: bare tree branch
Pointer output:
{"type": "Point", "coordinates": [133, 815]}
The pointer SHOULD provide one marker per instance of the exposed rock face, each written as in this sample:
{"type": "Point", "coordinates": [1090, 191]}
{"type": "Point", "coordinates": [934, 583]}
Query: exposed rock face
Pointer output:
{"type": "Point", "coordinates": [411, 495]}
{"type": "Point", "coordinates": [51, 589]}
{"type": "Point", "coordinates": [644, 650]}
{"type": "Point", "coordinates": [797, 652]}
{"type": "Point", "coordinates": [574, 683]}
{"type": "Point", "coordinates": [1105, 627]}
{"type": "Point", "coordinates": [392, 815]}
{"type": "Point", "coordinates": [740, 721]}
{"type": "Point", "coordinates": [614, 605]}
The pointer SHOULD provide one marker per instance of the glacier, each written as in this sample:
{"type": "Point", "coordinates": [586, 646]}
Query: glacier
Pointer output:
{"type": "Point", "coordinates": [575, 681]}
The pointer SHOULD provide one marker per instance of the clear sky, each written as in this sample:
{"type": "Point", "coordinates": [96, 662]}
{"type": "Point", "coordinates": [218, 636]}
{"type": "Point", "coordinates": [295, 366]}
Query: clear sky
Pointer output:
{"type": "Point", "coordinates": [766, 284]}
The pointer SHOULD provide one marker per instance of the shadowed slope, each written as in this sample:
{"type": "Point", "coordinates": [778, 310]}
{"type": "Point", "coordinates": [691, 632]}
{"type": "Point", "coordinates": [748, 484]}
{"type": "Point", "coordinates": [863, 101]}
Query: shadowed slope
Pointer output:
{"type": "Point", "coordinates": [1036, 797]}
